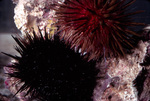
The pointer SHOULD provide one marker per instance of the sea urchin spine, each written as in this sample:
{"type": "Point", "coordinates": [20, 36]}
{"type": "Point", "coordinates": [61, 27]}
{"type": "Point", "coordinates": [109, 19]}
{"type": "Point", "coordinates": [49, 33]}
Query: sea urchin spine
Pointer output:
{"type": "Point", "coordinates": [97, 27]}
{"type": "Point", "coordinates": [51, 71]}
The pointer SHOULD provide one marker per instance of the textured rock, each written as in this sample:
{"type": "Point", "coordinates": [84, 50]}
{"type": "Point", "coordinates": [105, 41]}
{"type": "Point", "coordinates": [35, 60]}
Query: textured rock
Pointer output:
{"type": "Point", "coordinates": [121, 74]}
{"type": "Point", "coordinates": [32, 13]}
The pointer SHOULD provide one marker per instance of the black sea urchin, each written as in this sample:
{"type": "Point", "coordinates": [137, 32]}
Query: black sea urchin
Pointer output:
{"type": "Point", "coordinates": [51, 71]}
{"type": "Point", "coordinates": [98, 27]}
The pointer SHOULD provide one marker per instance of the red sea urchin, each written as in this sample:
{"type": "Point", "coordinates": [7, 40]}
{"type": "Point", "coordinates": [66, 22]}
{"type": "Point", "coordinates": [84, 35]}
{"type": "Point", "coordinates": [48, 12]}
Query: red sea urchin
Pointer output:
{"type": "Point", "coordinates": [51, 71]}
{"type": "Point", "coordinates": [97, 27]}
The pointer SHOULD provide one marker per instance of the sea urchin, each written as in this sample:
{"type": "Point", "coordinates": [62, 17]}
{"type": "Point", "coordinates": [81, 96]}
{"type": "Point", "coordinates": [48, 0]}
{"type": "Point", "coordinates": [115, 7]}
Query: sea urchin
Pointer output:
{"type": "Point", "coordinates": [51, 71]}
{"type": "Point", "coordinates": [97, 27]}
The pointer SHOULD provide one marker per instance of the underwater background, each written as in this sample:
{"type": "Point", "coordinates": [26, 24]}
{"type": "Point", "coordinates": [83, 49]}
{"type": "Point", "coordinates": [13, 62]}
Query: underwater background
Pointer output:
{"type": "Point", "coordinates": [8, 28]}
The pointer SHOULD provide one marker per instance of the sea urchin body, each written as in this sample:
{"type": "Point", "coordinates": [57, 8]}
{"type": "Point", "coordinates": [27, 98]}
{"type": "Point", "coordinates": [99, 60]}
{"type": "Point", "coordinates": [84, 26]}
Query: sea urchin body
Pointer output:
{"type": "Point", "coordinates": [51, 71]}
{"type": "Point", "coordinates": [98, 27]}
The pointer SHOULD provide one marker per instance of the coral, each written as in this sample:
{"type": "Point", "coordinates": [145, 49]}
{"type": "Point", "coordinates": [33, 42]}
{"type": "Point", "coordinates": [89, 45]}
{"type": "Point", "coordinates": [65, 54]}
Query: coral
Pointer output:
{"type": "Point", "coordinates": [120, 75]}
{"type": "Point", "coordinates": [103, 80]}
{"type": "Point", "coordinates": [32, 13]}
{"type": "Point", "coordinates": [142, 81]}
{"type": "Point", "coordinates": [47, 69]}
{"type": "Point", "coordinates": [97, 27]}
{"type": "Point", "coordinates": [146, 61]}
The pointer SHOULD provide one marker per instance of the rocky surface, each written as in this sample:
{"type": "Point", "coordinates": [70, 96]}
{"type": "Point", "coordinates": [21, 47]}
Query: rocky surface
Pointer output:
{"type": "Point", "coordinates": [6, 44]}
